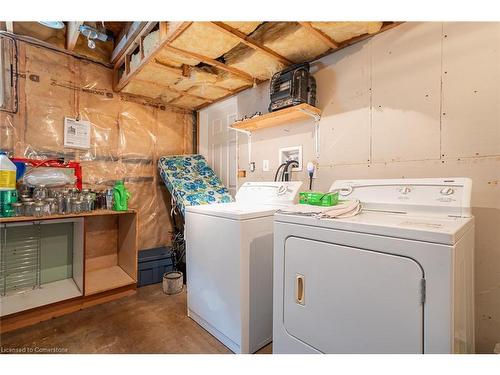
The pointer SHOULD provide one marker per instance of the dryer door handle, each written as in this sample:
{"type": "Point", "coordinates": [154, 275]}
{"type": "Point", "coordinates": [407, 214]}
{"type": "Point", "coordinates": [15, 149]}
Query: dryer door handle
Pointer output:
{"type": "Point", "coordinates": [300, 289]}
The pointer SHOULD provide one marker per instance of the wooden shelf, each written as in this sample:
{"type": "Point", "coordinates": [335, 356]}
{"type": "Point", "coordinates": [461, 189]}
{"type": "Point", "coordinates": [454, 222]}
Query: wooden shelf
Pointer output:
{"type": "Point", "coordinates": [288, 115]}
{"type": "Point", "coordinates": [67, 216]}
{"type": "Point", "coordinates": [104, 279]}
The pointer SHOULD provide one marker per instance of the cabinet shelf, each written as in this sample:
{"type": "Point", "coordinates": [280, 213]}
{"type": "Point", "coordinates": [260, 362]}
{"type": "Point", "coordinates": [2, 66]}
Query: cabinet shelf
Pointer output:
{"type": "Point", "coordinates": [288, 115]}
{"type": "Point", "coordinates": [104, 279]}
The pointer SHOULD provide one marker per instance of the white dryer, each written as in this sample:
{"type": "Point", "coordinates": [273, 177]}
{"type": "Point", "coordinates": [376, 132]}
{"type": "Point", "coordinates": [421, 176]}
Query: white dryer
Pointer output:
{"type": "Point", "coordinates": [229, 256]}
{"type": "Point", "coordinates": [397, 278]}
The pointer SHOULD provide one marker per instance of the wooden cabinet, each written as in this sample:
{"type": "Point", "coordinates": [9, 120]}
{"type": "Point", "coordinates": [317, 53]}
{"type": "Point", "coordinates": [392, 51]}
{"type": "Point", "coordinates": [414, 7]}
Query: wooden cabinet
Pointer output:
{"type": "Point", "coordinates": [103, 267]}
{"type": "Point", "coordinates": [111, 252]}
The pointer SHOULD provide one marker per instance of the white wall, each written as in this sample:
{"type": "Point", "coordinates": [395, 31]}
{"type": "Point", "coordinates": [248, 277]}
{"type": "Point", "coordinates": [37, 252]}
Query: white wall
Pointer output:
{"type": "Point", "coordinates": [420, 100]}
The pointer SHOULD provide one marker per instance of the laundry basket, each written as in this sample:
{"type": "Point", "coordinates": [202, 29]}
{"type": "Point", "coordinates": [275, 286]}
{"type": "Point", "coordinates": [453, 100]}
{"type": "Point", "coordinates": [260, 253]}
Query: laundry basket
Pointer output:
{"type": "Point", "coordinates": [172, 282]}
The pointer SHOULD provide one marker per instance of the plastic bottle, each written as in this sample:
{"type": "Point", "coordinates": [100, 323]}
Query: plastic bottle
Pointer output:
{"type": "Point", "coordinates": [120, 196]}
{"type": "Point", "coordinates": [7, 173]}
{"type": "Point", "coordinates": [8, 192]}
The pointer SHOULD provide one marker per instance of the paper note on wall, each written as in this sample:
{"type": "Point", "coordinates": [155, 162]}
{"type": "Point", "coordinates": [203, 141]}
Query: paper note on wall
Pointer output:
{"type": "Point", "coordinates": [76, 133]}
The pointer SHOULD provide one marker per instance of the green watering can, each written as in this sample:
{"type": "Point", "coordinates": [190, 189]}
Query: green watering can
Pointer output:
{"type": "Point", "coordinates": [120, 196]}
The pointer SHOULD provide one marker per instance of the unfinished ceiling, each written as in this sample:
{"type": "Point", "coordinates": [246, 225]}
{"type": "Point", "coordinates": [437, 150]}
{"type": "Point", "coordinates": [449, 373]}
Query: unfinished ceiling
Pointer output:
{"type": "Point", "coordinates": [193, 64]}
{"type": "Point", "coordinates": [70, 38]}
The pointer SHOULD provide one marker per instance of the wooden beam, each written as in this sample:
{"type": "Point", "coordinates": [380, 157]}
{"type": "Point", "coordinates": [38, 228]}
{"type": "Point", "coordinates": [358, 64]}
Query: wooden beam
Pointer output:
{"type": "Point", "coordinates": [173, 69]}
{"type": "Point", "coordinates": [210, 61]}
{"type": "Point", "coordinates": [320, 35]}
{"type": "Point", "coordinates": [128, 37]}
{"type": "Point", "coordinates": [174, 30]}
{"type": "Point", "coordinates": [245, 39]}
{"type": "Point", "coordinates": [72, 34]}
{"type": "Point", "coordinates": [233, 92]}
{"type": "Point", "coordinates": [356, 39]}
{"type": "Point", "coordinates": [170, 88]}
{"type": "Point", "coordinates": [171, 32]}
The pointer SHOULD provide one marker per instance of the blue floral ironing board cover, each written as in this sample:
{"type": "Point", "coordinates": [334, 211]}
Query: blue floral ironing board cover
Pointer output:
{"type": "Point", "coordinates": [191, 181]}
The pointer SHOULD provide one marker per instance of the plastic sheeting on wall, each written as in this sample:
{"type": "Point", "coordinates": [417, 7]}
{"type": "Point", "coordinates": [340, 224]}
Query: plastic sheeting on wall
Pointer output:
{"type": "Point", "coordinates": [128, 134]}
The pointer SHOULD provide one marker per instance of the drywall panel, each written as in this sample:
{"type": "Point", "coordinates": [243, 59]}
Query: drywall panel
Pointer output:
{"type": "Point", "coordinates": [266, 144]}
{"type": "Point", "coordinates": [471, 89]}
{"type": "Point", "coordinates": [395, 149]}
{"type": "Point", "coordinates": [343, 94]}
{"type": "Point", "coordinates": [406, 83]}
{"type": "Point", "coordinates": [254, 100]}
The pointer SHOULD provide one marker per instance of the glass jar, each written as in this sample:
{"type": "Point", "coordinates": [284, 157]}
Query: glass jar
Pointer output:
{"type": "Point", "coordinates": [68, 204]}
{"type": "Point", "coordinates": [38, 211]}
{"type": "Point", "coordinates": [18, 209]}
{"type": "Point", "coordinates": [40, 193]}
{"type": "Point", "coordinates": [77, 207]}
{"type": "Point", "coordinates": [109, 199]}
{"type": "Point", "coordinates": [60, 205]}
{"type": "Point", "coordinates": [75, 193]}
{"type": "Point", "coordinates": [24, 190]}
{"type": "Point", "coordinates": [29, 207]}
{"type": "Point", "coordinates": [46, 207]}
{"type": "Point", "coordinates": [25, 197]}
{"type": "Point", "coordinates": [100, 202]}
{"type": "Point", "coordinates": [50, 206]}
{"type": "Point", "coordinates": [89, 203]}
{"type": "Point", "coordinates": [73, 206]}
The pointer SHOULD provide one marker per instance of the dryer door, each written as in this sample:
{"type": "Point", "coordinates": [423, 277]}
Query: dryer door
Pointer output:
{"type": "Point", "coordinates": [339, 299]}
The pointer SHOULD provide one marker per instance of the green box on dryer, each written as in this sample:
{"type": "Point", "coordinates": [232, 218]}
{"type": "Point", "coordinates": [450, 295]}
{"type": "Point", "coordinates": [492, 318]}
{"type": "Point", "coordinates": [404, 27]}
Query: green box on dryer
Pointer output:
{"type": "Point", "coordinates": [316, 198]}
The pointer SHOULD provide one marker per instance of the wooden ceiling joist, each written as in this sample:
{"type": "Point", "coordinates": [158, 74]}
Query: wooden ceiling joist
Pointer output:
{"type": "Point", "coordinates": [168, 34]}
{"type": "Point", "coordinates": [127, 39]}
{"type": "Point", "coordinates": [210, 61]}
{"type": "Point", "coordinates": [245, 39]}
{"type": "Point", "coordinates": [321, 35]}
{"type": "Point", "coordinates": [172, 69]}
{"type": "Point", "coordinates": [72, 34]}
{"type": "Point", "coordinates": [238, 78]}
{"type": "Point", "coordinates": [231, 93]}
{"type": "Point", "coordinates": [174, 90]}
{"type": "Point", "coordinates": [170, 31]}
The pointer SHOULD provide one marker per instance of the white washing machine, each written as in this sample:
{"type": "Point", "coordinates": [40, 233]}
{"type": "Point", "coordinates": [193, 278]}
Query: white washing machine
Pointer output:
{"type": "Point", "coordinates": [397, 278]}
{"type": "Point", "coordinates": [229, 257]}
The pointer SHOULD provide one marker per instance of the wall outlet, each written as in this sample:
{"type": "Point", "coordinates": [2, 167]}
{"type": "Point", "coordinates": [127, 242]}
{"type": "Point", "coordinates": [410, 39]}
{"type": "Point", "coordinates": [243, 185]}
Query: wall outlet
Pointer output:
{"type": "Point", "coordinates": [291, 153]}
{"type": "Point", "coordinates": [265, 165]}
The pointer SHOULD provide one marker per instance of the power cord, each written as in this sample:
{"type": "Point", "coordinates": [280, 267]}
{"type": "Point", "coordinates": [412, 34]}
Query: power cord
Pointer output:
{"type": "Point", "coordinates": [278, 171]}
{"type": "Point", "coordinates": [310, 172]}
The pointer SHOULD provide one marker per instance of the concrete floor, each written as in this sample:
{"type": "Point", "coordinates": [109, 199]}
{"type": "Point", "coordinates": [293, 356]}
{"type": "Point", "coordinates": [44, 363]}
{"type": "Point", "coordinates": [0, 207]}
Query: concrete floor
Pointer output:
{"type": "Point", "coordinates": [147, 322]}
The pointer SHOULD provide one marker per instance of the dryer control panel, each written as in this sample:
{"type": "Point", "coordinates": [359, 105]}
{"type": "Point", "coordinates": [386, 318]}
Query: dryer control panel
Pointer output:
{"type": "Point", "coordinates": [268, 192]}
{"type": "Point", "coordinates": [432, 196]}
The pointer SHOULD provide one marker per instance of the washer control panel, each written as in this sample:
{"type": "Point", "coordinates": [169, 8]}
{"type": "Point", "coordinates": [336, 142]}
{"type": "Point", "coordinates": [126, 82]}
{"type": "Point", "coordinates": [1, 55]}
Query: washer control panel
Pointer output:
{"type": "Point", "coordinates": [448, 196]}
{"type": "Point", "coordinates": [268, 192]}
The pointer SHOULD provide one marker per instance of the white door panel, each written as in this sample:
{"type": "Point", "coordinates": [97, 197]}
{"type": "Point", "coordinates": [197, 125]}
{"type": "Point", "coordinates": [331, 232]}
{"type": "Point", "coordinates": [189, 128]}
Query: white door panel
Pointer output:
{"type": "Point", "coordinates": [339, 299]}
{"type": "Point", "coordinates": [220, 142]}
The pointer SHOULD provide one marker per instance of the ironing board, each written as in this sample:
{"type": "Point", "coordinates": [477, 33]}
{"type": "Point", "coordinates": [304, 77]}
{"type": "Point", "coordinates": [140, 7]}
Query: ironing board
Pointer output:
{"type": "Point", "coordinates": [191, 181]}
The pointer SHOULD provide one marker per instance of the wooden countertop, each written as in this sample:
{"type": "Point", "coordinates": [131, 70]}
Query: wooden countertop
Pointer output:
{"type": "Point", "coordinates": [67, 216]}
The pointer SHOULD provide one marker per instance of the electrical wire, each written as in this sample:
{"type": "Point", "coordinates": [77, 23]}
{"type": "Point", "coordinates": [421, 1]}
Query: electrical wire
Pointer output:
{"type": "Point", "coordinates": [286, 174]}
{"type": "Point", "coordinates": [278, 171]}
{"type": "Point", "coordinates": [40, 43]}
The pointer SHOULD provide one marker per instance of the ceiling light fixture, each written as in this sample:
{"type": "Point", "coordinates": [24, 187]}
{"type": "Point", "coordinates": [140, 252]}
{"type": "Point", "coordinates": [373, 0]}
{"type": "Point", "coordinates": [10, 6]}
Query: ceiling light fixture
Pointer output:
{"type": "Point", "coordinates": [52, 24]}
{"type": "Point", "coordinates": [92, 34]}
